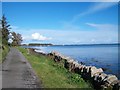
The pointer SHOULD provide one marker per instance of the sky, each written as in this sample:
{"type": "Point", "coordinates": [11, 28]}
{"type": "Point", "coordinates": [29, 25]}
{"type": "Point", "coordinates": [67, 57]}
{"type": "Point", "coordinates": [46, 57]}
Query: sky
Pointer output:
{"type": "Point", "coordinates": [64, 22]}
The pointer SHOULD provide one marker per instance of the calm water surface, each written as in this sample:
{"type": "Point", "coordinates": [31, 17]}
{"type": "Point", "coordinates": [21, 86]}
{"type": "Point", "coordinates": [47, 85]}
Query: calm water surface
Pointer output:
{"type": "Point", "coordinates": [102, 56]}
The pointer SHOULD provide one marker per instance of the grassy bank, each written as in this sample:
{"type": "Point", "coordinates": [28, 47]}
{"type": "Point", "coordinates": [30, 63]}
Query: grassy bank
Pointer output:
{"type": "Point", "coordinates": [3, 53]}
{"type": "Point", "coordinates": [0, 55]}
{"type": "Point", "coordinates": [54, 75]}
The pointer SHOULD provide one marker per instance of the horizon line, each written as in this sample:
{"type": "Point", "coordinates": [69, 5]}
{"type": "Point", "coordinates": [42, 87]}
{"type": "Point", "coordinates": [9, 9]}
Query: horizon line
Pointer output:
{"type": "Point", "coordinates": [59, 1]}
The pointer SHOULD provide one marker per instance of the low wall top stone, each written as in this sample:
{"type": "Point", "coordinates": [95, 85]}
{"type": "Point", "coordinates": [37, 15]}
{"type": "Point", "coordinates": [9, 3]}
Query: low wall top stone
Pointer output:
{"type": "Point", "coordinates": [94, 70]}
{"type": "Point", "coordinates": [110, 79]}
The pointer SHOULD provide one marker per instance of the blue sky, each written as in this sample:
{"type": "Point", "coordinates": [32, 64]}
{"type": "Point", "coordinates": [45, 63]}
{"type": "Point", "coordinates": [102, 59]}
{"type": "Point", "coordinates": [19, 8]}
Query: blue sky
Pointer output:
{"type": "Point", "coordinates": [64, 22]}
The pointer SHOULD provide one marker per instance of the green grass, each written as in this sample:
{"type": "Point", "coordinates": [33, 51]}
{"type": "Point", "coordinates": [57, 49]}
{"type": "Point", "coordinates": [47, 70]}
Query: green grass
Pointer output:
{"type": "Point", "coordinates": [54, 75]}
{"type": "Point", "coordinates": [0, 55]}
{"type": "Point", "coordinates": [0, 46]}
{"type": "Point", "coordinates": [3, 53]}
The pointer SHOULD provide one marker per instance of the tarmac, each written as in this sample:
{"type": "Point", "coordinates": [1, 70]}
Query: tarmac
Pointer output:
{"type": "Point", "coordinates": [17, 72]}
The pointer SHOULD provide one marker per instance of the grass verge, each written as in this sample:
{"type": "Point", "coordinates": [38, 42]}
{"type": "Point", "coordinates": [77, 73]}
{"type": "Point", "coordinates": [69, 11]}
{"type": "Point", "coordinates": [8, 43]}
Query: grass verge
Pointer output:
{"type": "Point", "coordinates": [54, 75]}
{"type": "Point", "coordinates": [3, 53]}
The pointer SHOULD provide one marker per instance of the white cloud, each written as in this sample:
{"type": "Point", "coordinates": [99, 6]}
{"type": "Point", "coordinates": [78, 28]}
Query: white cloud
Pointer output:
{"type": "Point", "coordinates": [80, 36]}
{"type": "Point", "coordinates": [102, 33]}
{"type": "Point", "coordinates": [38, 36]}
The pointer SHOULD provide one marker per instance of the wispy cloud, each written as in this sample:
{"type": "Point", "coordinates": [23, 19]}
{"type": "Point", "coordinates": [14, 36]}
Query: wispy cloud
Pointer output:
{"type": "Point", "coordinates": [93, 9]}
{"type": "Point", "coordinates": [103, 26]}
{"type": "Point", "coordinates": [96, 7]}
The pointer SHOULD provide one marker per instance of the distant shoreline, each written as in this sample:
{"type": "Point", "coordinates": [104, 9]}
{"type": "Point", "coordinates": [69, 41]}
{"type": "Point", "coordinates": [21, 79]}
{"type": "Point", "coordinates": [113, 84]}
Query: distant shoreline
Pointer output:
{"type": "Point", "coordinates": [87, 44]}
{"type": "Point", "coordinates": [69, 44]}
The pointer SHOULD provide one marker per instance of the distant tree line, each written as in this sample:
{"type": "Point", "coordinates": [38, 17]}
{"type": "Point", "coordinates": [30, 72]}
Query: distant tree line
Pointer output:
{"type": "Point", "coordinates": [6, 35]}
{"type": "Point", "coordinates": [38, 44]}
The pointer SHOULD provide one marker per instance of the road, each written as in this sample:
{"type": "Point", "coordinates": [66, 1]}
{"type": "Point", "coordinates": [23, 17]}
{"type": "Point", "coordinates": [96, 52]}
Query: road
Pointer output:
{"type": "Point", "coordinates": [17, 72]}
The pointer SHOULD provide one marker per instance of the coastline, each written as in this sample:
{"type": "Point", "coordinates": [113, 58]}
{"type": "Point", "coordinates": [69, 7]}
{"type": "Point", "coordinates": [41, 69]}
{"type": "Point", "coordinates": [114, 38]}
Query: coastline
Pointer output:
{"type": "Point", "coordinates": [91, 73]}
{"type": "Point", "coordinates": [88, 58]}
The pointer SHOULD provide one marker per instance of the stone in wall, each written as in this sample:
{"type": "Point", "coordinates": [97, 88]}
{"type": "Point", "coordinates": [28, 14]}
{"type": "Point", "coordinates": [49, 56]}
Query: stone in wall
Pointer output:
{"type": "Point", "coordinates": [50, 54]}
{"type": "Point", "coordinates": [93, 70]}
{"type": "Point", "coordinates": [74, 66]}
{"type": "Point", "coordinates": [86, 73]}
{"type": "Point", "coordinates": [110, 79]}
{"type": "Point", "coordinates": [116, 85]}
{"type": "Point", "coordinates": [57, 58]}
{"type": "Point", "coordinates": [77, 70]}
{"type": "Point", "coordinates": [70, 64]}
{"type": "Point", "coordinates": [81, 68]}
{"type": "Point", "coordinates": [97, 80]}
{"type": "Point", "coordinates": [66, 64]}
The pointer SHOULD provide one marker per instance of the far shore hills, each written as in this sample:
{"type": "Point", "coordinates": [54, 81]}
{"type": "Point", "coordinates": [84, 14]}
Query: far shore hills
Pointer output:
{"type": "Point", "coordinates": [49, 44]}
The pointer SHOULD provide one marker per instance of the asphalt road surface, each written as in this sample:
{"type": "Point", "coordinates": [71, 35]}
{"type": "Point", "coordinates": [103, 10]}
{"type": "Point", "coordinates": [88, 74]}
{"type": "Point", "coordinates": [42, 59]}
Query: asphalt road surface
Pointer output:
{"type": "Point", "coordinates": [17, 72]}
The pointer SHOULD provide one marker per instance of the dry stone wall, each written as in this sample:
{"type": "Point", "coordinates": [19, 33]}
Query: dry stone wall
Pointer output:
{"type": "Point", "coordinates": [95, 75]}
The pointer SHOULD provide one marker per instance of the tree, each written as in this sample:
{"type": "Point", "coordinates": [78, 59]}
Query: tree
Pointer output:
{"type": "Point", "coordinates": [17, 39]}
{"type": "Point", "coordinates": [5, 28]}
